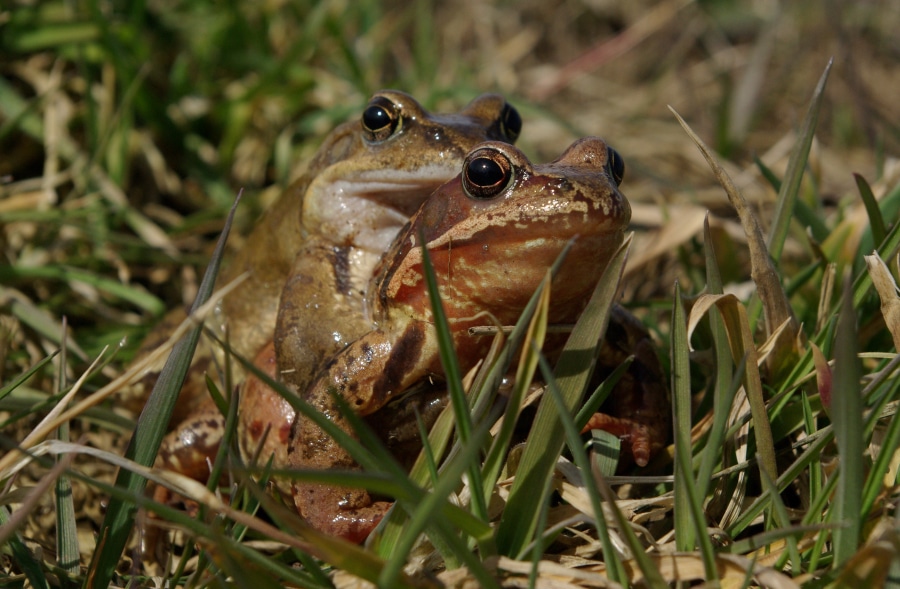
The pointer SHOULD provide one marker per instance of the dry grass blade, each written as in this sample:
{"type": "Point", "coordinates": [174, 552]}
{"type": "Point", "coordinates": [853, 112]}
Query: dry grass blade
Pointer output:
{"type": "Point", "coordinates": [776, 306]}
{"type": "Point", "coordinates": [887, 292]}
{"type": "Point", "coordinates": [740, 339]}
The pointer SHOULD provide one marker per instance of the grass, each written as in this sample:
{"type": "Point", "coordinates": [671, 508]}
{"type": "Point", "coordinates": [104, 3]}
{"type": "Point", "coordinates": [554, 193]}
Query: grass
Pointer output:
{"type": "Point", "coordinates": [127, 131]}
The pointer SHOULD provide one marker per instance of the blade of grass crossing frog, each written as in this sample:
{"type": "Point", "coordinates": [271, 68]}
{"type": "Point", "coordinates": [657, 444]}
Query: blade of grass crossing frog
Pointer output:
{"type": "Point", "coordinates": [514, 339]}
{"type": "Point", "coordinates": [363, 453]}
{"type": "Point", "coordinates": [537, 330]}
{"type": "Point", "coordinates": [453, 375]}
{"type": "Point", "coordinates": [787, 195]}
{"type": "Point", "coordinates": [431, 513]}
{"type": "Point", "coordinates": [148, 434]}
{"type": "Point", "coordinates": [423, 471]}
{"type": "Point", "coordinates": [596, 399]}
{"type": "Point", "coordinates": [545, 440]}
{"type": "Point", "coordinates": [368, 452]}
{"type": "Point", "coordinates": [612, 558]}
{"type": "Point", "coordinates": [846, 414]}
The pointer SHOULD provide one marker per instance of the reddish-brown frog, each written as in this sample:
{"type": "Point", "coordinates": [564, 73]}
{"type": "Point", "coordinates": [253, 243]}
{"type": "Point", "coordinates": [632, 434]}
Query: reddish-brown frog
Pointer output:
{"type": "Point", "coordinates": [330, 227]}
{"type": "Point", "coordinates": [492, 233]}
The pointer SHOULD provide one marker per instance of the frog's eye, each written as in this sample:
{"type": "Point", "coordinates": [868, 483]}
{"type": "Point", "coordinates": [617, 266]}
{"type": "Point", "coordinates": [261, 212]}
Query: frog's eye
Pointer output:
{"type": "Point", "coordinates": [615, 164]}
{"type": "Point", "coordinates": [510, 123]}
{"type": "Point", "coordinates": [486, 173]}
{"type": "Point", "coordinates": [380, 120]}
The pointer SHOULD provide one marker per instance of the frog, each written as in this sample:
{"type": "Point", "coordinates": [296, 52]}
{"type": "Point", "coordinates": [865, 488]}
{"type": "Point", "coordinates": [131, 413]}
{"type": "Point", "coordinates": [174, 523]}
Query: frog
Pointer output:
{"type": "Point", "coordinates": [492, 234]}
{"type": "Point", "coordinates": [366, 179]}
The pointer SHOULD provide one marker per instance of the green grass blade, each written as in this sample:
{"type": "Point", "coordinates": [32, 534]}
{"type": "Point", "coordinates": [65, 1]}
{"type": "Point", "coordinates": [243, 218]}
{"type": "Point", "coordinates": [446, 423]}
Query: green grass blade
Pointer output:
{"type": "Point", "coordinates": [887, 249]}
{"type": "Point", "coordinates": [573, 438]}
{"type": "Point", "coordinates": [67, 553]}
{"type": "Point", "coordinates": [876, 220]}
{"type": "Point", "coordinates": [453, 375]}
{"type": "Point", "coordinates": [428, 513]}
{"type": "Point", "coordinates": [149, 433]}
{"type": "Point", "coordinates": [723, 394]}
{"type": "Point", "coordinates": [596, 399]}
{"type": "Point", "coordinates": [22, 556]}
{"type": "Point", "coordinates": [545, 440]}
{"type": "Point", "coordinates": [846, 415]}
{"type": "Point", "coordinates": [136, 296]}
{"type": "Point", "coordinates": [685, 531]}
{"type": "Point", "coordinates": [782, 520]}
{"type": "Point", "coordinates": [790, 188]}
{"type": "Point", "coordinates": [22, 378]}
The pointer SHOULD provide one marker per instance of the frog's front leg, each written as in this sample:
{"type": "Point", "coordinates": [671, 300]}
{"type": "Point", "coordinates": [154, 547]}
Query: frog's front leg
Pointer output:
{"type": "Point", "coordinates": [638, 408]}
{"type": "Point", "coordinates": [366, 375]}
{"type": "Point", "coordinates": [322, 309]}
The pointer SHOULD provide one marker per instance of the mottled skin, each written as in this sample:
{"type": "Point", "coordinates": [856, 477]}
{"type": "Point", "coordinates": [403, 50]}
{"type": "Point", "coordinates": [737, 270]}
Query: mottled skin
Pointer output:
{"type": "Point", "coordinates": [358, 191]}
{"type": "Point", "coordinates": [492, 233]}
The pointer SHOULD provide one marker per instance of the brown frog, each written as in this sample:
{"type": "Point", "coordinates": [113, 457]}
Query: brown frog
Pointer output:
{"type": "Point", "coordinates": [492, 233]}
{"type": "Point", "coordinates": [331, 226]}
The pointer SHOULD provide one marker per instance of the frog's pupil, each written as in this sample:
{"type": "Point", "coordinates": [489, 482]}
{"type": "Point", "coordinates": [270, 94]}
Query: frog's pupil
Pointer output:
{"type": "Point", "coordinates": [375, 117]}
{"type": "Point", "coordinates": [484, 172]}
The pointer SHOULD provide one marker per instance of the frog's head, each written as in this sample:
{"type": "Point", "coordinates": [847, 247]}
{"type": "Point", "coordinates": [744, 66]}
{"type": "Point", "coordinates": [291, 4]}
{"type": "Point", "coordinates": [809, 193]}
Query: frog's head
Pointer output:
{"type": "Point", "coordinates": [370, 175]}
{"type": "Point", "coordinates": [494, 230]}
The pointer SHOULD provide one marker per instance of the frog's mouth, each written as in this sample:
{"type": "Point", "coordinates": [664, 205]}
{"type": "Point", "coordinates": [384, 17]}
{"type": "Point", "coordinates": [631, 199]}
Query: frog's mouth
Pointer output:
{"type": "Point", "coordinates": [369, 209]}
{"type": "Point", "coordinates": [401, 191]}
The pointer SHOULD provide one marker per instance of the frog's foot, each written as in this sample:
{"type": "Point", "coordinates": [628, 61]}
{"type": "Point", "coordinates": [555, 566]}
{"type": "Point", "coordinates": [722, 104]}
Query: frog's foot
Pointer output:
{"type": "Point", "coordinates": [189, 450]}
{"type": "Point", "coordinates": [636, 435]}
{"type": "Point", "coordinates": [347, 513]}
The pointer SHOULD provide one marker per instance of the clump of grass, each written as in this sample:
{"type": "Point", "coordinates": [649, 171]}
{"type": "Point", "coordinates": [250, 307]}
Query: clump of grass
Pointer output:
{"type": "Point", "coordinates": [129, 132]}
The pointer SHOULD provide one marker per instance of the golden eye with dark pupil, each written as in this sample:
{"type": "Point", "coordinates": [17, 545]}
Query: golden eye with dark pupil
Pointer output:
{"type": "Point", "coordinates": [510, 122]}
{"type": "Point", "coordinates": [380, 119]}
{"type": "Point", "coordinates": [616, 165]}
{"type": "Point", "coordinates": [486, 176]}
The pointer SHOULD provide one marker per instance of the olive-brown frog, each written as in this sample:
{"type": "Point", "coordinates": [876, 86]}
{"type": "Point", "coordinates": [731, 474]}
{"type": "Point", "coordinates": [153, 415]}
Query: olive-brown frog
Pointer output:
{"type": "Point", "coordinates": [330, 226]}
{"type": "Point", "coordinates": [492, 233]}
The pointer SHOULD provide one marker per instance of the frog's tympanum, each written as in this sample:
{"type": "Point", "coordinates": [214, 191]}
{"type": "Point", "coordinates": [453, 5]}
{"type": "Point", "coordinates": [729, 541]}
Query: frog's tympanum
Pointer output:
{"type": "Point", "coordinates": [492, 233]}
{"type": "Point", "coordinates": [324, 236]}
